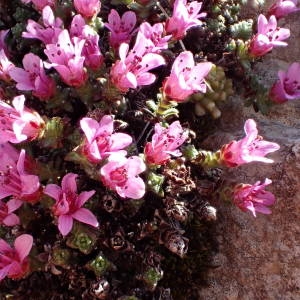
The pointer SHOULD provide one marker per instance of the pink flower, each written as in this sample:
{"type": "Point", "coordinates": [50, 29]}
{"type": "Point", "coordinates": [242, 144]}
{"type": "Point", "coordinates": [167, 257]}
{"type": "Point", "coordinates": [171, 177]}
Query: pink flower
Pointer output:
{"type": "Point", "coordinates": [33, 77]}
{"type": "Point", "coordinates": [66, 57]}
{"type": "Point", "coordinates": [100, 140]}
{"type": "Point", "coordinates": [282, 8]}
{"type": "Point", "coordinates": [48, 33]}
{"type": "Point", "coordinates": [184, 17]}
{"type": "Point", "coordinates": [91, 50]}
{"type": "Point", "coordinates": [87, 8]}
{"type": "Point", "coordinates": [155, 33]}
{"type": "Point", "coordinates": [121, 175]}
{"type": "Point", "coordinates": [268, 36]}
{"type": "Point", "coordinates": [19, 123]}
{"type": "Point", "coordinates": [165, 142]}
{"type": "Point", "coordinates": [253, 197]}
{"type": "Point", "coordinates": [14, 179]}
{"type": "Point", "coordinates": [5, 66]}
{"type": "Point", "coordinates": [69, 204]}
{"type": "Point", "coordinates": [186, 78]}
{"type": "Point", "coordinates": [251, 148]}
{"type": "Point", "coordinates": [40, 4]}
{"type": "Point", "coordinates": [13, 261]}
{"type": "Point", "coordinates": [131, 71]}
{"type": "Point", "coordinates": [288, 85]}
{"type": "Point", "coordinates": [7, 216]}
{"type": "Point", "coordinates": [121, 29]}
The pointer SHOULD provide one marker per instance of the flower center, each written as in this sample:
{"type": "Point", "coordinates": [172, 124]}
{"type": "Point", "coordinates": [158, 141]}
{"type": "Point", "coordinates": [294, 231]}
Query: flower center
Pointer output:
{"type": "Point", "coordinates": [102, 143]}
{"type": "Point", "coordinates": [119, 176]}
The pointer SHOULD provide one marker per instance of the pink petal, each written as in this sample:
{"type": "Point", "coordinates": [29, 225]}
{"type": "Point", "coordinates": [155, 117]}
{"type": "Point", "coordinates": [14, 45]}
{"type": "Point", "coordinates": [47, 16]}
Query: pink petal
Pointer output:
{"type": "Point", "coordinates": [54, 191]}
{"type": "Point", "coordinates": [262, 209]}
{"type": "Point", "coordinates": [93, 151]}
{"type": "Point", "coordinates": [202, 69]}
{"type": "Point", "coordinates": [23, 245]}
{"type": "Point", "coordinates": [250, 127]}
{"type": "Point", "coordinates": [123, 50]}
{"type": "Point", "coordinates": [150, 61]}
{"type": "Point", "coordinates": [18, 103]}
{"type": "Point", "coordinates": [145, 78]}
{"type": "Point", "coordinates": [262, 22]}
{"type": "Point", "coordinates": [129, 19]}
{"type": "Point", "coordinates": [22, 78]}
{"type": "Point", "coordinates": [293, 71]}
{"type": "Point", "coordinates": [114, 20]}
{"type": "Point", "coordinates": [18, 127]}
{"type": "Point", "coordinates": [129, 80]}
{"type": "Point", "coordinates": [265, 198]}
{"type": "Point", "coordinates": [135, 166]}
{"type": "Point", "coordinates": [85, 216]}
{"type": "Point", "coordinates": [30, 184]}
{"type": "Point", "coordinates": [4, 271]}
{"type": "Point", "coordinates": [4, 193]}
{"type": "Point", "coordinates": [135, 188]}
{"type": "Point", "coordinates": [106, 125]}
{"type": "Point", "coordinates": [21, 161]}
{"type": "Point", "coordinates": [120, 141]}
{"type": "Point", "coordinates": [48, 16]}
{"type": "Point", "coordinates": [182, 61]}
{"type": "Point", "coordinates": [250, 207]}
{"type": "Point", "coordinates": [84, 196]}
{"type": "Point", "coordinates": [11, 220]}
{"type": "Point", "coordinates": [89, 126]}
{"type": "Point", "coordinates": [68, 183]}
{"type": "Point", "coordinates": [272, 24]}
{"type": "Point", "coordinates": [32, 63]}
{"type": "Point", "coordinates": [65, 224]}
{"type": "Point", "coordinates": [13, 205]}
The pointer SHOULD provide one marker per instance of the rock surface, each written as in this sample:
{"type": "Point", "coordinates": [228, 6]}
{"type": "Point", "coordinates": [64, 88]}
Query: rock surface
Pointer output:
{"type": "Point", "coordinates": [259, 257]}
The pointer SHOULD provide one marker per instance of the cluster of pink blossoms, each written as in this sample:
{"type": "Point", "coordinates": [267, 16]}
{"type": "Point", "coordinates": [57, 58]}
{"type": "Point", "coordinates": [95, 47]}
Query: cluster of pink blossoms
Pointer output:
{"type": "Point", "coordinates": [21, 186]}
{"type": "Point", "coordinates": [119, 173]}
{"type": "Point", "coordinates": [269, 35]}
{"type": "Point", "coordinates": [70, 52]}
{"type": "Point", "coordinates": [251, 148]}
